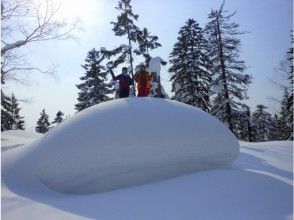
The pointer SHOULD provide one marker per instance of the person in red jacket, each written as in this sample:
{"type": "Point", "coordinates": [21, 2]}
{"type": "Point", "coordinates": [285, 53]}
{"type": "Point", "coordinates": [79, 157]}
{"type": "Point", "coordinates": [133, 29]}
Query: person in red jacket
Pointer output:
{"type": "Point", "coordinates": [143, 80]}
{"type": "Point", "coordinates": [125, 82]}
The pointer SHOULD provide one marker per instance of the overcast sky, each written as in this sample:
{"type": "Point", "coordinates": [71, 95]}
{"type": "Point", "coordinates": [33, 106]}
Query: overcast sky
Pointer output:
{"type": "Point", "coordinates": [268, 21]}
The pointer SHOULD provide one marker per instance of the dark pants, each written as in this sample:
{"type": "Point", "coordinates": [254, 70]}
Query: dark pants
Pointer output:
{"type": "Point", "coordinates": [124, 93]}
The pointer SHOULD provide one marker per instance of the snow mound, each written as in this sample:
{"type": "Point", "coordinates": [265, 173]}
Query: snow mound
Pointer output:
{"type": "Point", "coordinates": [128, 142]}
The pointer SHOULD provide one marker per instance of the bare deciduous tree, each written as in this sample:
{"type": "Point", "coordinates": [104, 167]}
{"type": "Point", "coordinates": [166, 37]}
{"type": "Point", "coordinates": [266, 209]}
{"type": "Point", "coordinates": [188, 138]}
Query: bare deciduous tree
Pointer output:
{"type": "Point", "coordinates": [25, 22]}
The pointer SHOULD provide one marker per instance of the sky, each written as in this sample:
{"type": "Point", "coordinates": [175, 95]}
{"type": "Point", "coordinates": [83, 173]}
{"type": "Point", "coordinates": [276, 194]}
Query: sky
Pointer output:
{"type": "Point", "coordinates": [268, 24]}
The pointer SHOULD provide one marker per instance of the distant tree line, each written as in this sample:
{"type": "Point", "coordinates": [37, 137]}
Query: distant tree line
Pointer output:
{"type": "Point", "coordinates": [11, 119]}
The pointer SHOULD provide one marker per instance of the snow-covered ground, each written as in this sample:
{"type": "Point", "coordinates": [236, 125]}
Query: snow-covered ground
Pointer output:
{"type": "Point", "coordinates": [259, 184]}
{"type": "Point", "coordinates": [17, 138]}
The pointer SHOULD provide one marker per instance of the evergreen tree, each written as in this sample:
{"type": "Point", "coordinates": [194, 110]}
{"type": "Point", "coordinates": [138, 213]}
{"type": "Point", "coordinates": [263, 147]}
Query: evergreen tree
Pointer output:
{"type": "Point", "coordinates": [246, 128]}
{"type": "Point", "coordinates": [189, 66]}
{"type": "Point", "coordinates": [58, 118]}
{"type": "Point", "coordinates": [10, 118]}
{"type": "Point", "coordinates": [6, 117]}
{"type": "Point", "coordinates": [43, 124]}
{"type": "Point", "coordinates": [276, 134]}
{"type": "Point", "coordinates": [229, 83]}
{"type": "Point", "coordinates": [286, 110]}
{"type": "Point", "coordinates": [285, 131]}
{"type": "Point", "coordinates": [125, 26]}
{"type": "Point", "coordinates": [289, 105]}
{"type": "Point", "coordinates": [146, 43]}
{"type": "Point", "coordinates": [120, 53]}
{"type": "Point", "coordinates": [94, 89]}
{"type": "Point", "coordinates": [17, 120]}
{"type": "Point", "coordinates": [263, 124]}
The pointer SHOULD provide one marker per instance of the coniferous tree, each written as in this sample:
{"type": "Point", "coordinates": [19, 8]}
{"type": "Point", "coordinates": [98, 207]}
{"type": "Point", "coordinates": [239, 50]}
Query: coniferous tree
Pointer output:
{"type": "Point", "coordinates": [189, 67]}
{"type": "Point", "coordinates": [273, 129]}
{"type": "Point", "coordinates": [43, 124]}
{"type": "Point", "coordinates": [125, 26]}
{"type": "Point", "coordinates": [58, 118]}
{"type": "Point", "coordinates": [20, 125]}
{"type": "Point", "coordinates": [289, 104]}
{"type": "Point", "coordinates": [17, 120]}
{"type": "Point", "coordinates": [143, 40]}
{"type": "Point", "coordinates": [229, 83]}
{"type": "Point", "coordinates": [246, 128]}
{"type": "Point", "coordinates": [146, 43]}
{"type": "Point", "coordinates": [94, 89]}
{"type": "Point", "coordinates": [6, 117]}
{"type": "Point", "coordinates": [120, 53]}
{"type": "Point", "coordinates": [276, 134]}
{"type": "Point", "coordinates": [10, 118]}
{"type": "Point", "coordinates": [283, 125]}
{"type": "Point", "coordinates": [263, 124]}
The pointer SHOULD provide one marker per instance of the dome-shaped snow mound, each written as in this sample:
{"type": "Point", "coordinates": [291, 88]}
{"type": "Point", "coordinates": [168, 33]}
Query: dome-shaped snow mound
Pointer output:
{"type": "Point", "coordinates": [128, 142]}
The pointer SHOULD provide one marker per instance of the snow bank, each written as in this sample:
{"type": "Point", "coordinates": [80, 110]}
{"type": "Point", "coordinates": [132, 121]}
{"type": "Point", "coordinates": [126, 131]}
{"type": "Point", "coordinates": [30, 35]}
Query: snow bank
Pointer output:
{"type": "Point", "coordinates": [127, 142]}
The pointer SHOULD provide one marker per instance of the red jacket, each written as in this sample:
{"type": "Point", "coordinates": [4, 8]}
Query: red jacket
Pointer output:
{"type": "Point", "coordinates": [143, 79]}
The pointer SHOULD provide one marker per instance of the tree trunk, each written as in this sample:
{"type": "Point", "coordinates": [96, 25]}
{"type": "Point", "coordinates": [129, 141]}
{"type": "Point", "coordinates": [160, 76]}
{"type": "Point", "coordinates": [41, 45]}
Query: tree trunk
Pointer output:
{"type": "Point", "coordinates": [224, 78]}
{"type": "Point", "coordinates": [131, 58]}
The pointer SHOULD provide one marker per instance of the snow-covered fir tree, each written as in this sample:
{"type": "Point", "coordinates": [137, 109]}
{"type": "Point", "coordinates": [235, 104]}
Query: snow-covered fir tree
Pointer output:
{"type": "Point", "coordinates": [6, 117]}
{"type": "Point", "coordinates": [146, 43]}
{"type": "Point", "coordinates": [285, 122]}
{"type": "Point", "coordinates": [17, 120]}
{"type": "Point", "coordinates": [43, 124]}
{"type": "Point", "coordinates": [10, 117]}
{"type": "Point", "coordinates": [58, 118]}
{"type": "Point", "coordinates": [276, 134]}
{"type": "Point", "coordinates": [289, 105]}
{"type": "Point", "coordinates": [263, 124]}
{"type": "Point", "coordinates": [246, 131]}
{"type": "Point", "coordinates": [229, 82]}
{"type": "Point", "coordinates": [284, 128]}
{"type": "Point", "coordinates": [139, 42]}
{"type": "Point", "coordinates": [189, 67]}
{"type": "Point", "coordinates": [94, 88]}
{"type": "Point", "coordinates": [125, 26]}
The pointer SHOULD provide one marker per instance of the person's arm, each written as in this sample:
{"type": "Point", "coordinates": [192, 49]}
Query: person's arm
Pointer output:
{"type": "Point", "coordinates": [131, 80]}
{"type": "Point", "coordinates": [112, 74]}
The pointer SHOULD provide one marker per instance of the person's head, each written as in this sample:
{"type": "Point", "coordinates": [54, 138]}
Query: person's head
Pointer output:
{"type": "Point", "coordinates": [142, 67]}
{"type": "Point", "coordinates": [124, 70]}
